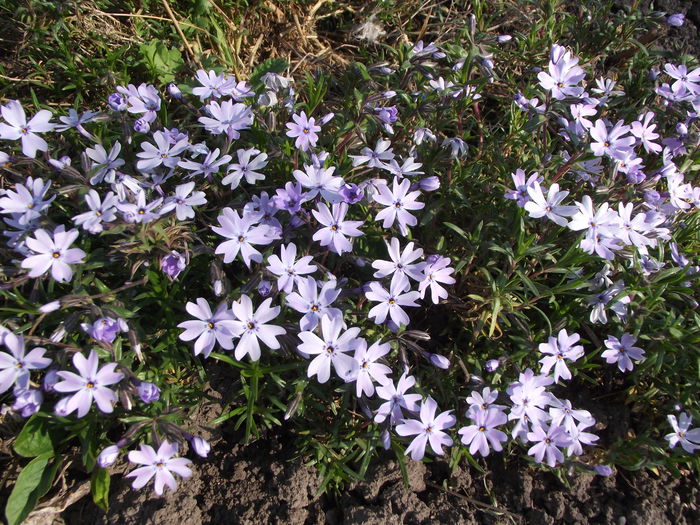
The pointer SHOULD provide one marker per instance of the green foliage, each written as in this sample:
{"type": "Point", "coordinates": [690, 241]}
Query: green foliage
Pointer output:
{"type": "Point", "coordinates": [33, 482]}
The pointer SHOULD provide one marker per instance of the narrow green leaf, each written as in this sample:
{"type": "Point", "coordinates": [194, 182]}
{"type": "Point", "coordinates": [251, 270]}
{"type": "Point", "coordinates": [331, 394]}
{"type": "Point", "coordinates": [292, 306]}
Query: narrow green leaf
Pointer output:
{"type": "Point", "coordinates": [32, 483]}
{"type": "Point", "coordinates": [99, 485]}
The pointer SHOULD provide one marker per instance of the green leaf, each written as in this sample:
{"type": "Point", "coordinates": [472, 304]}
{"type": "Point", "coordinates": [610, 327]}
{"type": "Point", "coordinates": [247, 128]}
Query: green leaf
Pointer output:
{"type": "Point", "coordinates": [99, 485]}
{"type": "Point", "coordinates": [36, 438]}
{"type": "Point", "coordinates": [32, 483]}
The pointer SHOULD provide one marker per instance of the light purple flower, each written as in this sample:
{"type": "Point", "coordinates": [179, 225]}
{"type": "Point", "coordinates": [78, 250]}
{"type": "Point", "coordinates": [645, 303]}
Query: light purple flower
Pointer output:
{"type": "Point", "coordinates": [160, 464]}
{"type": "Point", "coordinates": [53, 254]}
{"type": "Point", "coordinates": [332, 348]}
{"type": "Point", "coordinates": [208, 328]}
{"type": "Point", "coordinates": [108, 456]}
{"type": "Point", "coordinates": [396, 400]}
{"type": "Point", "coordinates": [17, 127]}
{"type": "Point", "coordinates": [428, 429]}
{"type": "Point", "coordinates": [483, 431]}
{"type": "Point", "coordinates": [436, 273]}
{"type": "Point", "coordinates": [305, 131]}
{"type": "Point", "coordinates": [547, 442]}
{"type": "Point", "coordinates": [90, 385]}
{"type": "Point", "coordinates": [541, 206]}
{"type": "Point", "coordinates": [140, 211]}
{"type": "Point", "coordinates": [105, 329]}
{"type": "Point", "coordinates": [209, 166]}
{"type": "Point", "coordinates": [391, 302]}
{"type": "Point", "coordinates": [104, 165]}
{"type": "Point", "coordinates": [374, 158]}
{"type": "Point", "coordinates": [27, 402]}
{"type": "Point", "coordinates": [336, 228]}
{"type": "Point", "coordinates": [249, 161]}
{"type": "Point", "coordinates": [101, 210]}
{"type": "Point", "coordinates": [243, 232]}
{"type": "Point", "coordinates": [314, 304]}
{"type": "Point", "coordinates": [142, 100]}
{"type": "Point", "coordinates": [398, 201]}
{"type": "Point", "coordinates": [15, 366]}
{"type": "Point", "coordinates": [26, 201]}
{"type": "Point", "coordinates": [369, 370]}
{"type": "Point", "coordinates": [164, 153]}
{"type": "Point", "coordinates": [252, 326]}
{"type": "Point", "coordinates": [560, 349]}
{"type": "Point", "coordinates": [288, 270]}
{"type": "Point", "coordinates": [401, 264]}
{"type": "Point", "coordinates": [321, 181]}
{"type": "Point", "coordinates": [182, 202]}
{"type": "Point", "coordinates": [351, 193]}
{"type": "Point", "coordinates": [608, 141]}
{"type": "Point", "coordinates": [689, 439]}
{"type": "Point", "coordinates": [228, 118]}
{"type": "Point", "coordinates": [622, 351]}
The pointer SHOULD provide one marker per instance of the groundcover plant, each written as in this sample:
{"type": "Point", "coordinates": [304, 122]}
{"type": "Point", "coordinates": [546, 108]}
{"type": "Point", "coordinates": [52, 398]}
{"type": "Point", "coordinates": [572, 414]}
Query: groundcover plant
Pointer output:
{"type": "Point", "coordinates": [326, 241]}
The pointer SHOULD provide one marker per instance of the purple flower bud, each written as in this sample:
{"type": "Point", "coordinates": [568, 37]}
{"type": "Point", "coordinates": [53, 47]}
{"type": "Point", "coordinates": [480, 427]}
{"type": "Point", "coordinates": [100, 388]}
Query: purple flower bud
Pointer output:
{"type": "Point", "coordinates": [117, 102]}
{"type": "Point", "coordinates": [264, 288]}
{"type": "Point", "coordinates": [383, 70]}
{"type": "Point", "coordinates": [61, 407]}
{"type": "Point", "coordinates": [491, 365]}
{"type": "Point", "coordinates": [440, 361]}
{"type": "Point", "coordinates": [148, 392]}
{"type": "Point", "coordinates": [386, 440]}
{"type": "Point", "coordinates": [429, 183]}
{"type": "Point", "coordinates": [108, 456]}
{"type": "Point", "coordinates": [142, 126]}
{"type": "Point", "coordinates": [28, 401]}
{"type": "Point", "coordinates": [676, 20]}
{"type": "Point", "coordinates": [218, 287]}
{"type": "Point", "coordinates": [389, 94]}
{"type": "Point", "coordinates": [172, 264]}
{"type": "Point", "coordinates": [200, 446]}
{"type": "Point", "coordinates": [174, 91]}
{"type": "Point", "coordinates": [388, 114]}
{"type": "Point", "coordinates": [504, 38]}
{"type": "Point", "coordinates": [325, 119]}
{"type": "Point", "coordinates": [50, 379]}
{"type": "Point", "coordinates": [602, 470]}
{"type": "Point", "coordinates": [432, 259]}
{"type": "Point", "coordinates": [682, 129]}
{"type": "Point", "coordinates": [351, 193]}
{"type": "Point", "coordinates": [296, 221]}
{"type": "Point", "coordinates": [653, 74]}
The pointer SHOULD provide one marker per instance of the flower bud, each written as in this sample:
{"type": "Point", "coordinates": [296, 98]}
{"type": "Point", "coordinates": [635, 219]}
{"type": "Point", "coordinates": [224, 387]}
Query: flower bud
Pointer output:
{"type": "Point", "coordinates": [429, 183]}
{"type": "Point", "coordinates": [108, 456]}
{"type": "Point", "coordinates": [142, 126]}
{"type": "Point", "coordinates": [676, 20]}
{"type": "Point", "coordinates": [264, 288]}
{"type": "Point", "coordinates": [148, 392]}
{"type": "Point", "coordinates": [173, 264]}
{"type": "Point", "coordinates": [440, 361]}
{"type": "Point", "coordinates": [603, 470]}
{"type": "Point", "coordinates": [200, 446]}
{"type": "Point", "coordinates": [50, 307]}
{"type": "Point", "coordinates": [491, 365]}
{"type": "Point", "coordinates": [50, 379]}
{"type": "Point", "coordinates": [174, 91]}
{"type": "Point", "coordinates": [28, 401]}
{"type": "Point", "coordinates": [117, 102]}
{"type": "Point", "coordinates": [504, 38]}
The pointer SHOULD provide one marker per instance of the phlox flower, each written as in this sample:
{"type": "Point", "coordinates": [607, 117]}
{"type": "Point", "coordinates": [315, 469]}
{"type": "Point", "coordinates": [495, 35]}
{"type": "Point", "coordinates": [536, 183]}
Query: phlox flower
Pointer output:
{"type": "Point", "coordinates": [563, 414]}
{"type": "Point", "coordinates": [160, 464]}
{"type": "Point", "coordinates": [483, 431]}
{"type": "Point", "coordinates": [213, 85]}
{"type": "Point", "coordinates": [560, 349]}
{"type": "Point", "coordinates": [182, 202]}
{"type": "Point", "coordinates": [53, 253]}
{"type": "Point", "coordinates": [391, 302]}
{"type": "Point", "coordinates": [622, 351]}
{"type": "Point", "coordinates": [608, 141]}
{"type": "Point", "coordinates": [643, 130]}
{"type": "Point", "coordinates": [105, 329]}
{"type": "Point", "coordinates": [606, 88]}
{"type": "Point", "coordinates": [288, 269]}
{"type": "Point", "coordinates": [321, 181]}
{"type": "Point", "coordinates": [374, 158]}
{"type": "Point", "coordinates": [369, 370]}
{"type": "Point", "coordinates": [140, 211]}
{"type": "Point", "coordinates": [613, 298]}
{"type": "Point", "coordinates": [90, 384]}
{"type": "Point", "coordinates": [483, 401]}
{"type": "Point", "coordinates": [28, 401]}
{"type": "Point", "coordinates": [173, 264]}
{"type": "Point", "coordinates": [407, 168]}
{"type": "Point", "coordinates": [305, 130]}
{"type": "Point", "coordinates": [578, 438]}
{"type": "Point", "coordinates": [689, 439]}
{"type": "Point", "coordinates": [209, 328]}
{"type": "Point", "coordinates": [398, 201]}
{"type": "Point", "coordinates": [520, 193]}
{"type": "Point", "coordinates": [76, 120]}
{"type": "Point", "coordinates": [252, 326]}
{"type": "Point", "coordinates": [209, 166]}
{"type": "Point", "coordinates": [332, 348]}
{"type": "Point", "coordinates": [428, 429]}
{"type": "Point", "coordinates": [228, 118]}
{"type": "Point", "coordinates": [290, 198]}
{"type": "Point", "coordinates": [458, 148]}
{"type": "Point", "coordinates": [603, 221]}
{"type": "Point", "coordinates": [15, 366]}
{"type": "Point", "coordinates": [396, 400]}
{"type": "Point", "coordinates": [563, 74]}
{"type": "Point", "coordinates": [249, 161]}
{"type": "Point", "coordinates": [101, 210]}
{"type": "Point", "coordinates": [142, 100]}
{"type": "Point", "coordinates": [27, 201]}
{"type": "Point", "coordinates": [401, 264]}
{"type": "Point", "coordinates": [314, 304]}
{"type": "Point", "coordinates": [17, 127]}
{"type": "Point", "coordinates": [436, 272]}
{"type": "Point", "coordinates": [529, 398]}
{"type": "Point", "coordinates": [547, 442]}
{"type": "Point", "coordinates": [541, 206]}
{"type": "Point", "coordinates": [684, 80]}
{"type": "Point", "coordinates": [243, 234]}
{"type": "Point", "coordinates": [163, 153]}
{"type": "Point", "coordinates": [632, 230]}
{"type": "Point", "coordinates": [335, 228]}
